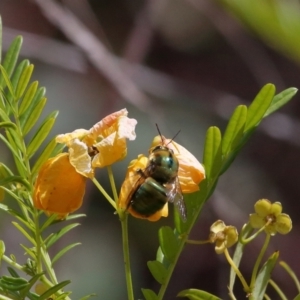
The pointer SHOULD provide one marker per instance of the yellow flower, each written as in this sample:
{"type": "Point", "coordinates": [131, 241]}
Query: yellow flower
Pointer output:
{"type": "Point", "coordinates": [128, 187]}
{"type": "Point", "coordinates": [190, 174]}
{"type": "Point", "coordinates": [102, 145]}
{"type": "Point", "coordinates": [269, 215]}
{"type": "Point", "coordinates": [59, 188]}
{"type": "Point", "coordinates": [223, 236]}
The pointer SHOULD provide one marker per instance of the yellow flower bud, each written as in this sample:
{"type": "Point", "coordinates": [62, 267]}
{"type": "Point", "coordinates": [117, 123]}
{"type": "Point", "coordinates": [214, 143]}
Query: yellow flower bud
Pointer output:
{"type": "Point", "coordinates": [59, 188]}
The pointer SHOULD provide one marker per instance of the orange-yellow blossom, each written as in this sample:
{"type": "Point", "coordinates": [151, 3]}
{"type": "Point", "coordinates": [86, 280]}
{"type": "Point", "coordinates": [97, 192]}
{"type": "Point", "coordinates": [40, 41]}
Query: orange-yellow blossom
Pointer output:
{"type": "Point", "coordinates": [190, 174]}
{"type": "Point", "coordinates": [59, 188]}
{"type": "Point", "coordinates": [129, 184]}
{"type": "Point", "coordinates": [102, 145]}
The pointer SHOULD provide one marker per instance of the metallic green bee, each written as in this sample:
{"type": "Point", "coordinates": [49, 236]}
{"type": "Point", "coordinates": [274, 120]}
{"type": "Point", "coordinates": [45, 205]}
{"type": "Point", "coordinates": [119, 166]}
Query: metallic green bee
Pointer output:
{"type": "Point", "coordinates": [158, 183]}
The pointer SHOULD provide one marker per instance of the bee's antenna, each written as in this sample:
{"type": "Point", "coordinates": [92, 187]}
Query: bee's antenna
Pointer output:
{"type": "Point", "coordinates": [174, 137]}
{"type": "Point", "coordinates": [159, 133]}
{"type": "Point", "coordinates": [162, 136]}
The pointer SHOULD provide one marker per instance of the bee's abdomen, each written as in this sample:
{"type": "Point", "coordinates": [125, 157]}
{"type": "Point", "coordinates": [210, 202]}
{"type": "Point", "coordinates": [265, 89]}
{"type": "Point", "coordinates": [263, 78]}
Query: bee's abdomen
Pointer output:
{"type": "Point", "coordinates": [149, 198]}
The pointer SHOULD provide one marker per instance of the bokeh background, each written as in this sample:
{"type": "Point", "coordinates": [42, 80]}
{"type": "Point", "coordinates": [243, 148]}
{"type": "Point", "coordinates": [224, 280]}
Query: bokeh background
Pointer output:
{"type": "Point", "coordinates": [185, 65]}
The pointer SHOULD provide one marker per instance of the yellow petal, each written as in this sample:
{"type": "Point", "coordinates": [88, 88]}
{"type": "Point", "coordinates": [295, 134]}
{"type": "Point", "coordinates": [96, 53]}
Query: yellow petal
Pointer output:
{"type": "Point", "coordinates": [59, 188]}
{"type": "Point", "coordinates": [262, 207]}
{"type": "Point", "coordinates": [276, 208]}
{"type": "Point", "coordinates": [256, 221]}
{"type": "Point", "coordinates": [190, 172]}
{"type": "Point", "coordinates": [283, 224]}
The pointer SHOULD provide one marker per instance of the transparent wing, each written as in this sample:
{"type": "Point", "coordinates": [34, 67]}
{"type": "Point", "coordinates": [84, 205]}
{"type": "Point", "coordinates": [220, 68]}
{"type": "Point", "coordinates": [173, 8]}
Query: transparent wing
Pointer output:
{"type": "Point", "coordinates": [175, 196]}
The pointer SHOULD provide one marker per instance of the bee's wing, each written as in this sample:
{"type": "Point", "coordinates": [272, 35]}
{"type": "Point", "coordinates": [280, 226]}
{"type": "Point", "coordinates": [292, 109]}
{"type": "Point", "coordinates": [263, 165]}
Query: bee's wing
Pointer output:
{"type": "Point", "coordinates": [175, 196]}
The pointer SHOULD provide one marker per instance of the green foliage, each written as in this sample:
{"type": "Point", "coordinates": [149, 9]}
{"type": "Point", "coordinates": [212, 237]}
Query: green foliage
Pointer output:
{"type": "Point", "coordinates": [218, 155]}
{"type": "Point", "coordinates": [276, 22]}
{"type": "Point", "coordinates": [264, 276]}
{"type": "Point", "coordinates": [21, 105]}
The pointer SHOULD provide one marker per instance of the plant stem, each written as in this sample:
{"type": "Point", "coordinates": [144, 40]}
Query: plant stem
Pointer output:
{"type": "Point", "coordinates": [291, 273]}
{"type": "Point", "coordinates": [112, 183]}
{"type": "Point", "coordinates": [258, 261]}
{"type": "Point", "coordinates": [237, 271]}
{"type": "Point", "coordinates": [124, 224]}
{"type": "Point", "coordinates": [278, 290]}
{"type": "Point", "coordinates": [103, 192]}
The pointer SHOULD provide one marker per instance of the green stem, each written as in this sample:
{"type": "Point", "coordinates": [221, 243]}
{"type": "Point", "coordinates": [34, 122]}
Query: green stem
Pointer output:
{"type": "Point", "coordinates": [278, 290]}
{"type": "Point", "coordinates": [245, 241]}
{"type": "Point", "coordinates": [291, 273]}
{"type": "Point", "coordinates": [195, 242]}
{"type": "Point", "coordinates": [124, 224]}
{"type": "Point", "coordinates": [237, 271]}
{"type": "Point", "coordinates": [184, 237]}
{"type": "Point", "coordinates": [258, 261]}
{"type": "Point", "coordinates": [112, 183]}
{"type": "Point", "coordinates": [13, 263]}
{"type": "Point", "coordinates": [103, 192]}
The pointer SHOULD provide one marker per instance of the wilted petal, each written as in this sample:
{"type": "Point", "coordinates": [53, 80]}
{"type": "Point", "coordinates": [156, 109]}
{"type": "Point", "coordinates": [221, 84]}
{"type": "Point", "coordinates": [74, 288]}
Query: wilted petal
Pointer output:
{"type": "Point", "coordinates": [110, 136]}
{"type": "Point", "coordinates": [106, 123]}
{"type": "Point", "coordinates": [59, 188]}
{"type": "Point", "coordinates": [111, 149]}
{"type": "Point", "coordinates": [67, 138]}
{"type": "Point", "coordinates": [217, 226]}
{"type": "Point", "coordinates": [80, 158]}
{"type": "Point", "coordinates": [231, 236]}
{"type": "Point", "coordinates": [220, 247]}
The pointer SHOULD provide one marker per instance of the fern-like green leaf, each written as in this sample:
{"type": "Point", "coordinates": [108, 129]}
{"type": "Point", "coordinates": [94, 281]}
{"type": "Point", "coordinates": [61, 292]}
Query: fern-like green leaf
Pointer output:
{"type": "Point", "coordinates": [34, 116]}
{"type": "Point", "coordinates": [63, 251]}
{"type": "Point", "coordinates": [24, 80]}
{"type": "Point", "coordinates": [0, 39]}
{"type": "Point", "coordinates": [168, 243]}
{"type": "Point", "coordinates": [41, 134]}
{"type": "Point", "coordinates": [53, 290]}
{"type": "Point", "coordinates": [28, 97]}
{"type": "Point", "coordinates": [44, 156]}
{"type": "Point", "coordinates": [7, 81]}
{"type": "Point", "coordinates": [149, 294]}
{"type": "Point", "coordinates": [281, 99]}
{"type": "Point", "coordinates": [26, 112]}
{"type": "Point", "coordinates": [11, 58]}
{"type": "Point", "coordinates": [263, 277]}
{"type": "Point", "coordinates": [16, 77]}
{"type": "Point", "coordinates": [56, 236]}
{"type": "Point", "coordinates": [234, 131]}
{"type": "Point", "coordinates": [259, 106]}
{"type": "Point", "coordinates": [158, 271]}
{"type": "Point", "coordinates": [212, 158]}
{"type": "Point", "coordinates": [24, 232]}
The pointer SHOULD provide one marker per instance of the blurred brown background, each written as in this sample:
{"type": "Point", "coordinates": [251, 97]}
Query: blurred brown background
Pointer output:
{"type": "Point", "coordinates": [184, 64]}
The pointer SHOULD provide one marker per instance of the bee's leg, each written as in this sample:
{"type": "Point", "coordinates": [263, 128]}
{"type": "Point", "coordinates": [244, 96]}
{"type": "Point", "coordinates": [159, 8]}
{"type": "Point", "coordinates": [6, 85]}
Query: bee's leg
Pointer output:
{"type": "Point", "coordinates": [140, 172]}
